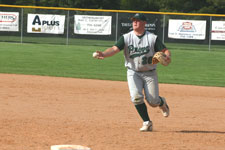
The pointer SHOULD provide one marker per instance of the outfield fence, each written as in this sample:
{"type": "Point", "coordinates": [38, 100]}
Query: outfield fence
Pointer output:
{"type": "Point", "coordinates": [53, 25]}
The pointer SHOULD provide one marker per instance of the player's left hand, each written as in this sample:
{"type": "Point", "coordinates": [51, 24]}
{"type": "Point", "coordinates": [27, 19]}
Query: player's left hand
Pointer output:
{"type": "Point", "coordinates": [162, 58]}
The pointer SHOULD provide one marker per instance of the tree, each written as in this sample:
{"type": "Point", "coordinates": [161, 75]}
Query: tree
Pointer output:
{"type": "Point", "coordinates": [187, 6]}
{"type": "Point", "coordinates": [25, 2]}
{"type": "Point", "coordinates": [193, 6]}
{"type": "Point", "coordinates": [214, 6]}
{"type": "Point", "coordinates": [142, 5]}
{"type": "Point", "coordinates": [9, 2]}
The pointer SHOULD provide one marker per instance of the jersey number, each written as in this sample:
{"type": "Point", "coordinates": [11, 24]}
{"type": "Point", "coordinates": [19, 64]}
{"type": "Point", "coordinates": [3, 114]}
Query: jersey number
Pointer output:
{"type": "Point", "coordinates": [146, 60]}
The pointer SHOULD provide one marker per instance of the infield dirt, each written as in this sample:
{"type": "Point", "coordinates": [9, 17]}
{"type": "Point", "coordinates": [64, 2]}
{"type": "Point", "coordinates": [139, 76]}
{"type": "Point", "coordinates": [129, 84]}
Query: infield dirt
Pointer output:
{"type": "Point", "coordinates": [37, 112]}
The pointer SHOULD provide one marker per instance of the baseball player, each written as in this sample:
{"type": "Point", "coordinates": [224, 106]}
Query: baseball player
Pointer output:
{"type": "Point", "coordinates": [139, 46]}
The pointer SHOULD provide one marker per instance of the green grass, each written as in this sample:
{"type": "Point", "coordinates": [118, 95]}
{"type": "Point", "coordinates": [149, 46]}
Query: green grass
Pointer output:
{"type": "Point", "coordinates": [58, 60]}
{"type": "Point", "coordinates": [56, 40]}
{"type": "Point", "coordinates": [195, 67]}
{"type": "Point", "coordinates": [189, 66]}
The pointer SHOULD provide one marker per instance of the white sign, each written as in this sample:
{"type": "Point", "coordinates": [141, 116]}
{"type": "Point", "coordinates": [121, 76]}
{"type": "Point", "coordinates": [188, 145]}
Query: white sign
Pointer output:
{"type": "Point", "coordinates": [96, 25]}
{"type": "Point", "coordinates": [9, 21]}
{"type": "Point", "coordinates": [187, 29]}
{"type": "Point", "coordinates": [43, 23]}
{"type": "Point", "coordinates": [218, 30]}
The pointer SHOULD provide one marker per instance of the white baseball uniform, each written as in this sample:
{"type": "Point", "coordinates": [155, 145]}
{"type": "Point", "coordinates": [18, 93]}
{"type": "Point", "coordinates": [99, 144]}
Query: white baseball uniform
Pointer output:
{"type": "Point", "coordinates": [141, 73]}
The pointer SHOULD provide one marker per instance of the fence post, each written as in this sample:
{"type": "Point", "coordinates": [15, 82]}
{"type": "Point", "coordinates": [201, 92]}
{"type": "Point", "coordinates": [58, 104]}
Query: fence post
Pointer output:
{"type": "Point", "coordinates": [116, 25]}
{"type": "Point", "coordinates": [21, 28]}
{"type": "Point", "coordinates": [67, 31]}
{"type": "Point", "coordinates": [210, 32]}
{"type": "Point", "coordinates": [164, 20]}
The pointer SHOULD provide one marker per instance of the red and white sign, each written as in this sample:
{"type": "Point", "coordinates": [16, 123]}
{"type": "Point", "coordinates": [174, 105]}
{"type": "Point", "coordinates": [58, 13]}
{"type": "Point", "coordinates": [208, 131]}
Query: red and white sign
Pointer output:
{"type": "Point", "coordinates": [9, 21]}
{"type": "Point", "coordinates": [187, 29]}
{"type": "Point", "coordinates": [218, 30]}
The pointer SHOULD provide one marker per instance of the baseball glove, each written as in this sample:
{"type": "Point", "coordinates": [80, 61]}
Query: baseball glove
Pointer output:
{"type": "Point", "coordinates": [160, 57]}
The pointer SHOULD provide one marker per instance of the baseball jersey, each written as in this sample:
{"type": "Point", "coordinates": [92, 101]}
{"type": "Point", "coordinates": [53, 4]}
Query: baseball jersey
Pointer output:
{"type": "Point", "coordinates": [139, 50]}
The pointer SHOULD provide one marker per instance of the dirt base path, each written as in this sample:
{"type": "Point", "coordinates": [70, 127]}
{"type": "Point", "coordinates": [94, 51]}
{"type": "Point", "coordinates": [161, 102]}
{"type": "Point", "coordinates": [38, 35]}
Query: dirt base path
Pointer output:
{"type": "Point", "coordinates": [37, 112]}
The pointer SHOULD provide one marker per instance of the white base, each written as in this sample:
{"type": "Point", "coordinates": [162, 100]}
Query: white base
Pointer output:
{"type": "Point", "coordinates": [69, 147]}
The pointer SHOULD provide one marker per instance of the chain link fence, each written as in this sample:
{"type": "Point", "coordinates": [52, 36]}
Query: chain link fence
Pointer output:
{"type": "Point", "coordinates": [206, 30]}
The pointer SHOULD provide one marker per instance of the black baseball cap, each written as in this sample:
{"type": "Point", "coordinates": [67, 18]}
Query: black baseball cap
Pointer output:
{"type": "Point", "coordinates": [139, 16]}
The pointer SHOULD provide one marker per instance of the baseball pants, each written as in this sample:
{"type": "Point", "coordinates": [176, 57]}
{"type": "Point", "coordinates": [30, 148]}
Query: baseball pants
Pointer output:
{"type": "Point", "coordinates": [147, 82]}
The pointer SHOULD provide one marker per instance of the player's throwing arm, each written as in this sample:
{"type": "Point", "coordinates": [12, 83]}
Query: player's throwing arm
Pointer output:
{"type": "Point", "coordinates": [107, 53]}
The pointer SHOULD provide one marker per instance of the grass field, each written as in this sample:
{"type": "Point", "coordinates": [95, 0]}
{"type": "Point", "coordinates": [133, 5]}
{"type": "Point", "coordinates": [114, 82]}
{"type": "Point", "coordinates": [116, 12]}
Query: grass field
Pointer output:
{"type": "Point", "coordinates": [191, 64]}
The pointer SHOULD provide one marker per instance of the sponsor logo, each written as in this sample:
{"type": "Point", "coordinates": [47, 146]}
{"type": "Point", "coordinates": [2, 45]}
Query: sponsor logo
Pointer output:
{"type": "Point", "coordinates": [44, 22]}
{"type": "Point", "coordinates": [8, 18]}
{"type": "Point", "coordinates": [187, 27]}
{"type": "Point", "coordinates": [37, 22]}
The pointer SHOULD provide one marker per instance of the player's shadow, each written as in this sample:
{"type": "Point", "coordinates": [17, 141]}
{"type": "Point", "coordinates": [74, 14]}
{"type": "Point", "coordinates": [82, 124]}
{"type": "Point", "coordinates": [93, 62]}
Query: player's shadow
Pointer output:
{"type": "Point", "coordinates": [200, 131]}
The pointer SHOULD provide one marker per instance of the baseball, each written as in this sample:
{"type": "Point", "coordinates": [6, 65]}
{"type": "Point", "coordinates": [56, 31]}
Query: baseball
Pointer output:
{"type": "Point", "coordinates": [95, 54]}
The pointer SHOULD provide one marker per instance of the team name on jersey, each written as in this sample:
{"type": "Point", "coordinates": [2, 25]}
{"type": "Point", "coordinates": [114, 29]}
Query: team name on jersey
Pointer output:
{"type": "Point", "coordinates": [137, 51]}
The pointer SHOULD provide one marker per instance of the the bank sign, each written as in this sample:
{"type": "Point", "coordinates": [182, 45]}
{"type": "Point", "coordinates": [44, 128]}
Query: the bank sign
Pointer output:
{"type": "Point", "coordinates": [43, 23]}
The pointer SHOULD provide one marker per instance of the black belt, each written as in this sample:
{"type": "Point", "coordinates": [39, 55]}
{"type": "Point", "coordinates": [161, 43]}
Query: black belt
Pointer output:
{"type": "Point", "coordinates": [141, 71]}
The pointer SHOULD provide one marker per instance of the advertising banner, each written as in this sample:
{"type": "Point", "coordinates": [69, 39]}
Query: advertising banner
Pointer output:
{"type": "Point", "coordinates": [45, 23]}
{"type": "Point", "coordinates": [9, 21]}
{"type": "Point", "coordinates": [218, 30]}
{"type": "Point", "coordinates": [127, 26]}
{"type": "Point", "coordinates": [187, 29]}
{"type": "Point", "coordinates": [92, 25]}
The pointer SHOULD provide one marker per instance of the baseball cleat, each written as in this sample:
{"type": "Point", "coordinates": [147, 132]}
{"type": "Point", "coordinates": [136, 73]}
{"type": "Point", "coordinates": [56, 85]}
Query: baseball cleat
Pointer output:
{"type": "Point", "coordinates": [164, 108]}
{"type": "Point", "coordinates": [147, 126]}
